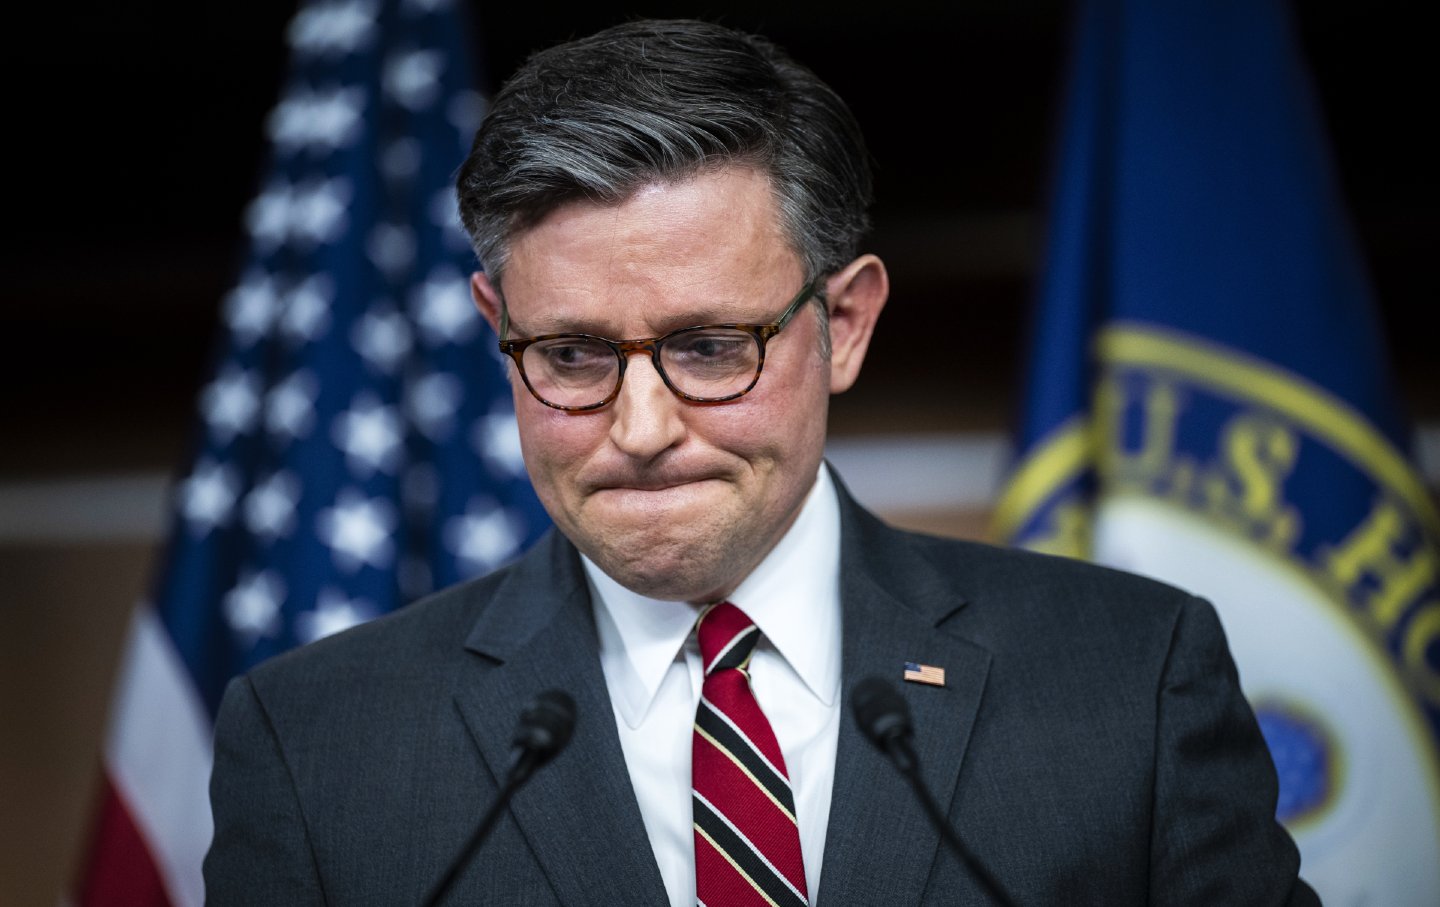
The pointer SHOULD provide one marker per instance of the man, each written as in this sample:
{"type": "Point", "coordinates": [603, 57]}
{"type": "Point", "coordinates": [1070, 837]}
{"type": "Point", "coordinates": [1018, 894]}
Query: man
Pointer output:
{"type": "Point", "coordinates": [668, 214]}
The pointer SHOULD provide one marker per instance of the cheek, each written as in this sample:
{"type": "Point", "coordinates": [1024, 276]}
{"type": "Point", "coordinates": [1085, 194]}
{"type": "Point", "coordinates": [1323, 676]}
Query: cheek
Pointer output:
{"type": "Point", "coordinates": [782, 420]}
{"type": "Point", "coordinates": [551, 440]}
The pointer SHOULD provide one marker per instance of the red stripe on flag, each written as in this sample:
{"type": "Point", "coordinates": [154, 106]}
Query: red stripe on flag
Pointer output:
{"type": "Point", "coordinates": [120, 869]}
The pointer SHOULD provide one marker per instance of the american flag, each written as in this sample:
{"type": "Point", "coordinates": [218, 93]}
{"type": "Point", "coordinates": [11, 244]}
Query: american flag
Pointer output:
{"type": "Point", "coordinates": [918, 673]}
{"type": "Point", "coordinates": [357, 446]}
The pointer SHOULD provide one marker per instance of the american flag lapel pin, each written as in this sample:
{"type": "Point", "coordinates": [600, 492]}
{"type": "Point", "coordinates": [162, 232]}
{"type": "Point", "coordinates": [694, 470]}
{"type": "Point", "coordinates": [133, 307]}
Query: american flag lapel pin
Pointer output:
{"type": "Point", "coordinates": [918, 673]}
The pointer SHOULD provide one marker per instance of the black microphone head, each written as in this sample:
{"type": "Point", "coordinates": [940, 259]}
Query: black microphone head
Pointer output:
{"type": "Point", "coordinates": [546, 724]}
{"type": "Point", "coordinates": [880, 711]}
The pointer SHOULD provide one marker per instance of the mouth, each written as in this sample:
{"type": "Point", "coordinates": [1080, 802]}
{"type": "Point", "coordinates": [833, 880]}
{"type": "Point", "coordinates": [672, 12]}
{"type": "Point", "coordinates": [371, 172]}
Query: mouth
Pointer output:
{"type": "Point", "coordinates": [651, 484]}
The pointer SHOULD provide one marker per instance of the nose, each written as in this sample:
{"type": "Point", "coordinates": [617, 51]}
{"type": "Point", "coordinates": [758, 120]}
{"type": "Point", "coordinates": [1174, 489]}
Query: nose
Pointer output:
{"type": "Point", "coordinates": [646, 416]}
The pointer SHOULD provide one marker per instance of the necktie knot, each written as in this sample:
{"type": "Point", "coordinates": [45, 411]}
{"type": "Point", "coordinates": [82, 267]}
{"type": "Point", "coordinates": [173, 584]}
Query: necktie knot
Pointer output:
{"type": "Point", "coordinates": [727, 638]}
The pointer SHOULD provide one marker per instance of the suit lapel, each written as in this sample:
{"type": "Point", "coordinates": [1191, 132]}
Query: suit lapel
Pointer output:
{"type": "Point", "coordinates": [879, 841]}
{"type": "Point", "coordinates": [579, 813]}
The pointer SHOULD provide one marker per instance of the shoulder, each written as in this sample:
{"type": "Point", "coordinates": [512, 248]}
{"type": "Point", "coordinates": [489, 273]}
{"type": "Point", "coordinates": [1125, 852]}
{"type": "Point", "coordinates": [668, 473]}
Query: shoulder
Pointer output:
{"type": "Point", "coordinates": [1017, 583]}
{"type": "Point", "coordinates": [388, 643]}
{"type": "Point", "coordinates": [408, 652]}
{"type": "Point", "coordinates": [1025, 579]}
{"type": "Point", "coordinates": [1039, 615]}
{"type": "Point", "coordinates": [377, 671]}
{"type": "Point", "coordinates": [419, 636]}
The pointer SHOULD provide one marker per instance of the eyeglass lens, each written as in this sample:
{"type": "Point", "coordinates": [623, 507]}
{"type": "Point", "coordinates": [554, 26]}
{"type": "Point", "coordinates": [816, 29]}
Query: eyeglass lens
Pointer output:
{"type": "Point", "coordinates": [704, 363]}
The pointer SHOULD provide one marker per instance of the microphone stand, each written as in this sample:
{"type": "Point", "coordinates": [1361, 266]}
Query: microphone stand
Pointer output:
{"type": "Point", "coordinates": [520, 769]}
{"type": "Point", "coordinates": [544, 729]}
{"type": "Point", "coordinates": [902, 755]}
{"type": "Point", "coordinates": [884, 718]}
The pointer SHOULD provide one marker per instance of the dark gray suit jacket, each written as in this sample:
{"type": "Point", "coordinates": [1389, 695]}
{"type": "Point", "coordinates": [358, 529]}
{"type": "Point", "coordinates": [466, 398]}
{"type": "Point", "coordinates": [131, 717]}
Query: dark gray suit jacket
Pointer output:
{"type": "Point", "coordinates": [1091, 745]}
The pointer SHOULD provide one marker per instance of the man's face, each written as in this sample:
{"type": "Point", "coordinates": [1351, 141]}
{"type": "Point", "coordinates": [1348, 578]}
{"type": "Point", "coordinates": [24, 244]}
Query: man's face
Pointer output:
{"type": "Point", "coordinates": [675, 500]}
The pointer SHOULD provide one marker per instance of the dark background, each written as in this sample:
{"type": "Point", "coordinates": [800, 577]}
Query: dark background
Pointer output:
{"type": "Point", "coordinates": [135, 140]}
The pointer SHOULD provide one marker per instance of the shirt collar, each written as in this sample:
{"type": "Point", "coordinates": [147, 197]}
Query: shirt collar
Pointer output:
{"type": "Point", "coordinates": [793, 596]}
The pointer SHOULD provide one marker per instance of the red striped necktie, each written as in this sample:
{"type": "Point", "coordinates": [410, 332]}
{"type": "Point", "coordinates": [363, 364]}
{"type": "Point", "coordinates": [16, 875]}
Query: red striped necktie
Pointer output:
{"type": "Point", "coordinates": [747, 842]}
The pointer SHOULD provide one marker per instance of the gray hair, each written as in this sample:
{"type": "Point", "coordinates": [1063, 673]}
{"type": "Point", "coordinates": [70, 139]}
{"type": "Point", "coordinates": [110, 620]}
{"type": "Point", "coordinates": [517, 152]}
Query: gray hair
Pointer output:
{"type": "Point", "coordinates": [661, 101]}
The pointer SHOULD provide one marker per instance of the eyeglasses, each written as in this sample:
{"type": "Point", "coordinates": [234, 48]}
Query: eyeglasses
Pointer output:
{"type": "Point", "coordinates": [707, 363]}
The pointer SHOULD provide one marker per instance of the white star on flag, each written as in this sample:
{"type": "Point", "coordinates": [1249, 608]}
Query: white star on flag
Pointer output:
{"type": "Point", "coordinates": [383, 337]}
{"type": "Point", "coordinates": [370, 433]}
{"type": "Point", "coordinates": [268, 216]}
{"type": "Point", "coordinates": [485, 536]}
{"type": "Point", "coordinates": [334, 29]}
{"type": "Point", "coordinates": [431, 402]}
{"type": "Point", "coordinates": [251, 307]}
{"type": "Point", "coordinates": [290, 405]}
{"type": "Point", "coordinates": [307, 308]}
{"type": "Point", "coordinates": [496, 437]}
{"type": "Point", "coordinates": [333, 612]}
{"type": "Point", "coordinates": [321, 121]}
{"type": "Point", "coordinates": [443, 308]}
{"type": "Point", "coordinates": [357, 529]}
{"type": "Point", "coordinates": [391, 247]}
{"type": "Point", "coordinates": [317, 210]}
{"type": "Point", "coordinates": [269, 508]}
{"type": "Point", "coordinates": [230, 403]}
{"type": "Point", "coordinates": [252, 607]}
{"type": "Point", "coordinates": [207, 497]}
{"type": "Point", "coordinates": [313, 212]}
{"type": "Point", "coordinates": [413, 78]}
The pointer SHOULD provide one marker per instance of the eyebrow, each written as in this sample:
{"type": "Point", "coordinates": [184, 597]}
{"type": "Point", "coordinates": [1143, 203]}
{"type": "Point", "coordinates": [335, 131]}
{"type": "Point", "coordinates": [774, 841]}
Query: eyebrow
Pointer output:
{"type": "Point", "coordinates": [689, 319]}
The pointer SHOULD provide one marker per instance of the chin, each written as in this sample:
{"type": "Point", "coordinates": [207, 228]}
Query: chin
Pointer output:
{"type": "Point", "coordinates": [669, 573]}
{"type": "Point", "coordinates": [666, 589]}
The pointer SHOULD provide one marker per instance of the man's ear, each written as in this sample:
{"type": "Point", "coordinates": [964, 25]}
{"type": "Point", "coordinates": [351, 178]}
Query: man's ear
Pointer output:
{"type": "Point", "coordinates": [487, 299]}
{"type": "Point", "coordinates": [854, 297]}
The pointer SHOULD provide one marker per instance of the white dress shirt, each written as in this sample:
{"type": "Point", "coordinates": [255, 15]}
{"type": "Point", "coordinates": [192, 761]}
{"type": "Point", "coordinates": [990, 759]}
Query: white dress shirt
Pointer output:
{"type": "Point", "coordinates": [653, 671]}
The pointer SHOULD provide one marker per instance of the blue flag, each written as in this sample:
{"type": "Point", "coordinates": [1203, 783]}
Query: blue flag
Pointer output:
{"type": "Point", "coordinates": [1209, 402]}
{"type": "Point", "coordinates": [357, 447]}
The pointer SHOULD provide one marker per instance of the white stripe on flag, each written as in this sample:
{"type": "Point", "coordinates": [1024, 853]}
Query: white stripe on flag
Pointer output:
{"type": "Point", "coordinates": [158, 753]}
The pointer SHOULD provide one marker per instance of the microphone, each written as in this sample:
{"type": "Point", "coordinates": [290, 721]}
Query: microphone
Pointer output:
{"type": "Point", "coordinates": [543, 730]}
{"type": "Point", "coordinates": [884, 718]}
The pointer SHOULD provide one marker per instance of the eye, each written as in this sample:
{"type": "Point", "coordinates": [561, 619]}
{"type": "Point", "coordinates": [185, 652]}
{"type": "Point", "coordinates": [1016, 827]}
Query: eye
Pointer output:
{"type": "Point", "coordinates": [711, 354]}
{"type": "Point", "coordinates": [570, 355]}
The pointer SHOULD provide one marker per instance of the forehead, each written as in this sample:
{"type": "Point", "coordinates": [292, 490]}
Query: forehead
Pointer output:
{"type": "Point", "coordinates": [715, 239]}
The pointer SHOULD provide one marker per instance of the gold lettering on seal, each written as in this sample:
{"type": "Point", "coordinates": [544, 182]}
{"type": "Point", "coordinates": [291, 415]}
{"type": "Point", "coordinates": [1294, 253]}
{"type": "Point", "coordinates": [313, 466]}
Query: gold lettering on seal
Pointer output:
{"type": "Point", "coordinates": [1373, 551]}
{"type": "Point", "coordinates": [1421, 636]}
{"type": "Point", "coordinates": [1257, 454]}
{"type": "Point", "coordinates": [1160, 411]}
